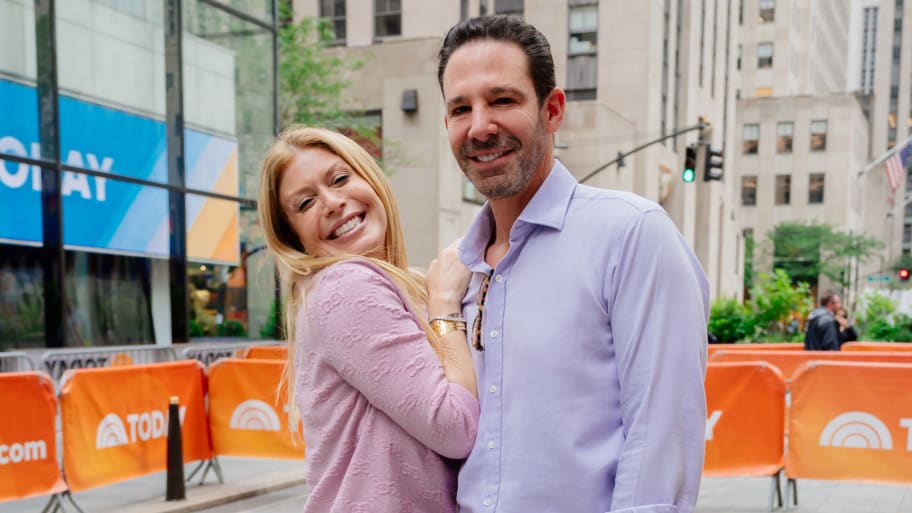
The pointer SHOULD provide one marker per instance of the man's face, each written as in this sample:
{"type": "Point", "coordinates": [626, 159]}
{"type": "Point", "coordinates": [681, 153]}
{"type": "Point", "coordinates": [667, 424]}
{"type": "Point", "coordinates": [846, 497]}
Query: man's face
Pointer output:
{"type": "Point", "coordinates": [835, 304]}
{"type": "Point", "coordinates": [499, 135]}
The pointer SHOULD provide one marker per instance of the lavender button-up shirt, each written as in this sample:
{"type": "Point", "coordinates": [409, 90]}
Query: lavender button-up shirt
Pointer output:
{"type": "Point", "coordinates": [591, 381]}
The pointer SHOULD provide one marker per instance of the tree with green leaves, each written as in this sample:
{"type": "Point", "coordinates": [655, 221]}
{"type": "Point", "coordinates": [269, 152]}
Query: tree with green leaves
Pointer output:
{"type": "Point", "coordinates": [775, 301]}
{"type": "Point", "coordinates": [312, 78]}
{"type": "Point", "coordinates": [807, 250]}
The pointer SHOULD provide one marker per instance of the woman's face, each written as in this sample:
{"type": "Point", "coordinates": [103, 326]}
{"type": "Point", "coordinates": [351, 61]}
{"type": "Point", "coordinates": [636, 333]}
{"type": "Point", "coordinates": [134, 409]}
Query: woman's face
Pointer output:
{"type": "Point", "coordinates": [332, 209]}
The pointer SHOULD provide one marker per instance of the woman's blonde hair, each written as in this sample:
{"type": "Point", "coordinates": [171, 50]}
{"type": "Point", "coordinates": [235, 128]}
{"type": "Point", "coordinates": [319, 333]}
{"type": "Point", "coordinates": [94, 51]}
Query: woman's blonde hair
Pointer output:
{"type": "Point", "coordinates": [285, 244]}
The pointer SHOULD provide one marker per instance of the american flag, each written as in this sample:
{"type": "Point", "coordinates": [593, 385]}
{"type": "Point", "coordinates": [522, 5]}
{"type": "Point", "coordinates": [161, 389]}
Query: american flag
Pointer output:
{"type": "Point", "coordinates": [896, 168]}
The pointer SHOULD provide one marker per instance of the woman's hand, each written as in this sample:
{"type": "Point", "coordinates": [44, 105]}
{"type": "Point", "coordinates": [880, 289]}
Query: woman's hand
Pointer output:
{"type": "Point", "coordinates": [447, 280]}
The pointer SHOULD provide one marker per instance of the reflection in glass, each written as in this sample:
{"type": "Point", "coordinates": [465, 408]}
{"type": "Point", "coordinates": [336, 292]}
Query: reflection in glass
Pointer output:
{"type": "Point", "coordinates": [783, 189]}
{"type": "Point", "coordinates": [784, 134]}
{"type": "Point", "coordinates": [111, 77]}
{"type": "Point", "coordinates": [750, 137]}
{"type": "Point", "coordinates": [748, 190]}
{"type": "Point", "coordinates": [21, 298]}
{"type": "Point", "coordinates": [218, 301]}
{"type": "Point", "coordinates": [815, 188]}
{"type": "Point", "coordinates": [228, 87]}
{"type": "Point", "coordinates": [259, 269]}
{"type": "Point", "coordinates": [765, 55]}
{"type": "Point", "coordinates": [387, 18]}
{"type": "Point", "coordinates": [107, 300]}
{"type": "Point", "coordinates": [818, 135]}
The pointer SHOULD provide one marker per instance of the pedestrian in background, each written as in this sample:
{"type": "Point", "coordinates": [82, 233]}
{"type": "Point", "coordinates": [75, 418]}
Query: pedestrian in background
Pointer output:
{"type": "Point", "coordinates": [822, 328]}
{"type": "Point", "coordinates": [847, 331]}
{"type": "Point", "coordinates": [383, 413]}
{"type": "Point", "coordinates": [588, 310]}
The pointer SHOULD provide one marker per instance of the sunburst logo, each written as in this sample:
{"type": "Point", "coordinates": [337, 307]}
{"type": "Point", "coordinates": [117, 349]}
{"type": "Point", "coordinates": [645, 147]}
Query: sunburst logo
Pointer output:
{"type": "Point", "coordinates": [110, 433]}
{"type": "Point", "coordinates": [121, 359]}
{"type": "Point", "coordinates": [255, 415]}
{"type": "Point", "coordinates": [856, 430]}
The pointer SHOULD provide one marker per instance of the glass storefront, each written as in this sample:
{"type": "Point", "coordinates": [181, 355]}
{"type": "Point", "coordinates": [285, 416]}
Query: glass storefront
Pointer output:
{"type": "Point", "coordinates": [112, 231]}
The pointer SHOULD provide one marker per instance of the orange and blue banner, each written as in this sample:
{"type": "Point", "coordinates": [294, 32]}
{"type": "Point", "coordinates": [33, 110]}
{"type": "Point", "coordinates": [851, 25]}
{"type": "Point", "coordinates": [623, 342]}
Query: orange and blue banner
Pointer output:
{"type": "Point", "coordinates": [115, 420]}
{"type": "Point", "coordinates": [745, 405]}
{"type": "Point", "coordinates": [105, 214]}
{"type": "Point", "coordinates": [246, 414]}
{"type": "Point", "coordinates": [851, 422]}
{"type": "Point", "coordinates": [28, 442]}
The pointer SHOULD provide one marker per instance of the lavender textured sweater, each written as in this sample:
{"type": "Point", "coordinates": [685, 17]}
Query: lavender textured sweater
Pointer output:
{"type": "Point", "coordinates": [379, 415]}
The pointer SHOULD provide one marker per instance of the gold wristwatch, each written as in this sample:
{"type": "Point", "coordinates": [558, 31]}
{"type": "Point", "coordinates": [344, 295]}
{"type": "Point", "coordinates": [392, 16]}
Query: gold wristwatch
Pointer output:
{"type": "Point", "coordinates": [446, 324]}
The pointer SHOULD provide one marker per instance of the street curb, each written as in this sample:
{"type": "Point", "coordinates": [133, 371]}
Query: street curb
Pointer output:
{"type": "Point", "coordinates": [208, 496]}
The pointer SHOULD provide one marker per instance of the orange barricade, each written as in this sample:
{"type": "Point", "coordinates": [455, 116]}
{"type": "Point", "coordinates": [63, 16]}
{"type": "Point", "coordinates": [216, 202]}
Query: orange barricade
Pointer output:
{"type": "Point", "coordinates": [773, 346]}
{"type": "Point", "coordinates": [745, 405]}
{"type": "Point", "coordinates": [28, 444]}
{"type": "Point", "coordinates": [267, 352]}
{"type": "Point", "coordinates": [877, 346]}
{"type": "Point", "coordinates": [789, 361]}
{"type": "Point", "coordinates": [851, 421]}
{"type": "Point", "coordinates": [246, 418]}
{"type": "Point", "coordinates": [115, 420]}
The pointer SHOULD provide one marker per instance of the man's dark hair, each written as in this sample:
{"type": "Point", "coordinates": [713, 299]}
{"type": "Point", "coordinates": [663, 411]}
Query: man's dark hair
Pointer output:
{"type": "Point", "coordinates": [827, 298]}
{"type": "Point", "coordinates": [509, 29]}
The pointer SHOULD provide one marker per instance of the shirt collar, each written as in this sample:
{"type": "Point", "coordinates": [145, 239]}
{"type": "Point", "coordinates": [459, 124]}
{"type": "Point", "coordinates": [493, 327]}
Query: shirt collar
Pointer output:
{"type": "Point", "coordinates": [548, 207]}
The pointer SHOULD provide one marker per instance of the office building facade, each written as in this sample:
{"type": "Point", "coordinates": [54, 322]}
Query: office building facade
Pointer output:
{"type": "Point", "coordinates": [625, 85]}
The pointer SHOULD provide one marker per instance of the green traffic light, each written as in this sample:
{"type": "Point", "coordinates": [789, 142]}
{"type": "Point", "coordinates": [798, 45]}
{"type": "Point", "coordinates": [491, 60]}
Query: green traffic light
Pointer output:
{"type": "Point", "coordinates": [688, 175]}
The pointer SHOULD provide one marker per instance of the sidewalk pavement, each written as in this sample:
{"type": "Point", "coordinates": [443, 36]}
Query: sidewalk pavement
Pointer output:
{"type": "Point", "coordinates": [244, 477]}
{"type": "Point", "coordinates": [247, 477]}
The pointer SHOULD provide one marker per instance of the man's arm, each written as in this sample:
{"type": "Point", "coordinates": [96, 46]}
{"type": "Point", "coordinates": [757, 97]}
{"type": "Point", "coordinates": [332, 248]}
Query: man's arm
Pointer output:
{"type": "Point", "coordinates": [659, 305]}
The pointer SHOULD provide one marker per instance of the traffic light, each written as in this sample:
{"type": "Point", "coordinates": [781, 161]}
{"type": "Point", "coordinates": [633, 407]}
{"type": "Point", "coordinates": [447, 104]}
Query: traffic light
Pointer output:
{"type": "Point", "coordinates": [690, 165]}
{"type": "Point", "coordinates": [903, 273]}
{"type": "Point", "coordinates": [712, 162]}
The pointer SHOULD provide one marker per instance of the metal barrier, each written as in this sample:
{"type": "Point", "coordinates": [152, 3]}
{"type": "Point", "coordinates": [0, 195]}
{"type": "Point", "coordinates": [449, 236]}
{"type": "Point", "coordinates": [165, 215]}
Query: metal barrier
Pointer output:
{"type": "Point", "coordinates": [57, 361]}
{"type": "Point", "coordinates": [208, 353]}
{"type": "Point", "coordinates": [16, 361]}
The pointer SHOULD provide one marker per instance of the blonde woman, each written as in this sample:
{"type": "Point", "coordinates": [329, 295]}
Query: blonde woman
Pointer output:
{"type": "Point", "coordinates": [378, 367]}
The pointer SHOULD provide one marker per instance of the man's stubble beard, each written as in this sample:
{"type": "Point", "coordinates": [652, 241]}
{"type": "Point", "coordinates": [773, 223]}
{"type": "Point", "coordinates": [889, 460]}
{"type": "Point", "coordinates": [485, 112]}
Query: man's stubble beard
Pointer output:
{"type": "Point", "coordinates": [510, 181]}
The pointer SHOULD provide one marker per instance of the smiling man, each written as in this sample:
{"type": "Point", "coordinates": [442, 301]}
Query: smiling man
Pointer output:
{"type": "Point", "coordinates": [588, 310]}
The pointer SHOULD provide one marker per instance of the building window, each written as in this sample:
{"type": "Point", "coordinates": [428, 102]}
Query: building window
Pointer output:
{"type": "Point", "coordinates": [514, 7]}
{"type": "Point", "coordinates": [750, 139]}
{"type": "Point", "coordinates": [738, 58]}
{"type": "Point", "coordinates": [387, 18]}
{"type": "Point", "coordinates": [765, 55]}
{"type": "Point", "coordinates": [783, 189]}
{"type": "Point", "coordinates": [868, 49]}
{"type": "Point", "coordinates": [582, 60]}
{"type": "Point", "coordinates": [334, 11]}
{"type": "Point", "coordinates": [907, 239]}
{"type": "Point", "coordinates": [784, 133]}
{"type": "Point", "coordinates": [815, 188]}
{"type": "Point", "coordinates": [762, 92]}
{"type": "Point", "coordinates": [818, 135]}
{"type": "Point", "coordinates": [767, 11]}
{"type": "Point", "coordinates": [748, 191]}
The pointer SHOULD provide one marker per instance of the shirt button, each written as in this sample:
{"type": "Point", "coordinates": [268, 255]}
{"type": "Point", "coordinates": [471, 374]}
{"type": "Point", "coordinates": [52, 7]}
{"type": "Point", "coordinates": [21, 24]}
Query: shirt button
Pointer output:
{"type": "Point", "coordinates": [491, 444]}
{"type": "Point", "coordinates": [493, 333]}
{"type": "Point", "coordinates": [487, 502]}
{"type": "Point", "coordinates": [493, 389]}
{"type": "Point", "coordinates": [498, 278]}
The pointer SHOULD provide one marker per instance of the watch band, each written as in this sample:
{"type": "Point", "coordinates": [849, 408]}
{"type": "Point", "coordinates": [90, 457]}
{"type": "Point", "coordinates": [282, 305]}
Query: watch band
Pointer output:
{"type": "Point", "coordinates": [455, 316]}
{"type": "Point", "coordinates": [445, 326]}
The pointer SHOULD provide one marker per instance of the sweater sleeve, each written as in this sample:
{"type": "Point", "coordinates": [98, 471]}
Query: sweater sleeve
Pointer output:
{"type": "Point", "coordinates": [364, 329]}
